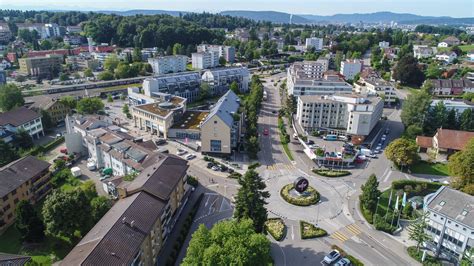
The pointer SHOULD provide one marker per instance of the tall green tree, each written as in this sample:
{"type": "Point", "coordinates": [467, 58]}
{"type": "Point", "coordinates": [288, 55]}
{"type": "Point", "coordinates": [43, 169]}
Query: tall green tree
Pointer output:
{"type": "Point", "coordinates": [235, 87]}
{"type": "Point", "coordinates": [99, 207]}
{"type": "Point", "coordinates": [402, 152]}
{"type": "Point", "coordinates": [90, 105]}
{"type": "Point", "coordinates": [137, 54]}
{"type": "Point", "coordinates": [466, 120]}
{"type": "Point", "coordinates": [461, 166]}
{"type": "Point", "coordinates": [250, 202]}
{"type": "Point", "coordinates": [69, 101]}
{"type": "Point", "coordinates": [46, 120]}
{"type": "Point", "coordinates": [88, 73]}
{"type": "Point", "coordinates": [228, 243]}
{"type": "Point", "coordinates": [28, 223]}
{"type": "Point", "coordinates": [111, 62]}
{"type": "Point", "coordinates": [417, 231]}
{"type": "Point", "coordinates": [408, 72]}
{"type": "Point", "coordinates": [23, 139]}
{"type": "Point", "coordinates": [7, 153]}
{"type": "Point", "coordinates": [10, 97]}
{"type": "Point", "coordinates": [414, 108]}
{"type": "Point", "coordinates": [177, 48]}
{"type": "Point", "coordinates": [370, 193]}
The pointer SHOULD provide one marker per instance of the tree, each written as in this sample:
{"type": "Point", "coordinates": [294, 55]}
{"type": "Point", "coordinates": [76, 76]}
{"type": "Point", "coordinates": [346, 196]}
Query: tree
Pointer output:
{"type": "Point", "coordinates": [109, 98]}
{"type": "Point", "coordinates": [65, 212]}
{"type": "Point", "coordinates": [228, 243]}
{"type": "Point", "coordinates": [28, 223]}
{"type": "Point", "coordinates": [234, 86]}
{"type": "Point", "coordinates": [23, 139]}
{"type": "Point", "coordinates": [253, 147]}
{"type": "Point", "coordinates": [111, 62]}
{"type": "Point", "coordinates": [433, 71]}
{"type": "Point", "coordinates": [68, 101]}
{"type": "Point", "coordinates": [126, 111]}
{"type": "Point", "coordinates": [402, 152]}
{"type": "Point", "coordinates": [250, 202]}
{"type": "Point", "coordinates": [63, 77]}
{"type": "Point", "coordinates": [177, 48]}
{"type": "Point", "coordinates": [205, 91]}
{"type": "Point", "coordinates": [461, 166]}
{"type": "Point", "coordinates": [88, 73]}
{"type": "Point", "coordinates": [10, 97]}
{"type": "Point", "coordinates": [414, 108]}
{"type": "Point", "coordinates": [370, 194]}
{"type": "Point", "coordinates": [408, 72]}
{"type": "Point", "coordinates": [417, 231]}
{"type": "Point", "coordinates": [46, 120]}
{"type": "Point", "coordinates": [222, 61]}
{"type": "Point", "coordinates": [7, 153]}
{"type": "Point", "coordinates": [90, 105]}
{"type": "Point", "coordinates": [137, 54]}
{"type": "Point", "coordinates": [100, 206]}
{"type": "Point", "coordinates": [105, 75]}
{"type": "Point", "coordinates": [412, 131]}
{"type": "Point", "coordinates": [466, 120]}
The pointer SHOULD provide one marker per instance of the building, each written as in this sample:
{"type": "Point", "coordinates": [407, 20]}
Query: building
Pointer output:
{"type": "Point", "coordinates": [73, 29]}
{"type": "Point", "coordinates": [449, 41]}
{"type": "Point", "coordinates": [74, 39]}
{"type": "Point", "coordinates": [22, 118]}
{"type": "Point", "coordinates": [470, 55]}
{"type": "Point", "coordinates": [41, 66]}
{"type": "Point", "coordinates": [205, 60]}
{"type": "Point", "coordinates": [159, 116]}
{"type": "Point", "coordinates": [220, 131]}
{"type": "Point", "coordinates": [188, 127]}
{"type": "Point", "coordinates": [458, 105]}
{"type": "Point", "coordinates": [14, 259]}
{"type": "Point", "coordinates": [5, 33]}
{"type": "Point", "coordinates": [350, 68]}
{"type": "Point", "coordinates": [423, 51]}
{"type": "Point", "coordinates": [377, 86]}
{"type": "Point", "coordinates": [384, 44]}
{"type": "Point", "coordinates": [445, 142]}
{"type": "Point", "coordinates": [185, 84]}
{"type": "Point", "coordinates": [447, 57]}
{"type": "Point", "coordinates": [3, 77]}
{"type": "Point", "coordinates": [52, 30]}
{"type": "Point", "coordinates": [347, 114]}
{"type": "Point", "coordinates": [330, 83]}
{"type": "Point", "coordinates": [220, 79]}
{"type": "Point", "coordinates": [136, 228]}
{"type": "Point", "coordinates": [450, 223]}
{"type": "Point", "coordinates": [24, 179]}
{"type": "Point", "coordinates": [451, 86]}
{"type": "Point", "coordinates": [168, 64]}
{"type": "Point", "coordinates": [313, 42]}
{"type": "Point", "coordinates": [309, 69]}
{"type": "Point", "coordinates": [226, 52]}
{"type": "Point", "coordinates": [53, 106]}
{"type": "Point", "coordinates": [81, 62]}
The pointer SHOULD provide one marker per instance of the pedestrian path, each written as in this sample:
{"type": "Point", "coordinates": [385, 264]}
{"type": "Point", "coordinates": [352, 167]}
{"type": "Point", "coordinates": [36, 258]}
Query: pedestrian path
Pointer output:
{"type": "Point", "coordinates": [346, 232]}
{"type": "Point", "coordinates": [279, 166]}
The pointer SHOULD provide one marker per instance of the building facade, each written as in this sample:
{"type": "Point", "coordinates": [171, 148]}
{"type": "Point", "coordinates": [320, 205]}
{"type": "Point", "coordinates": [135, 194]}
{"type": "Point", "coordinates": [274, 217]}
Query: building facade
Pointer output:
{"type": "Point", "coordinates": [220, 79]}
{"type": "Point", "coordinates": [350, 68]}
{"type": "Point", "coordinates": [451, 86]}
{"type": "Point", "coordinates": [330, 83]}
{"type": "Point", "coordinates": [41, 66]}
{"type": "Point", "coordinates": [168, 64]}
{"type": "Point", "coordinates": [186, 85]}
{"type": "Point", "coordinates": [205, 60]}
{"type": "Point", "coordinates": [377, 86]}
{"type": "Point", "coordinates": [53, 106]}
{"type": "Point", "coordinates": [22, 118]}
{"type": "Point", "coordinates": [227, 52]}
{"type": "Point", "coordinates": [313, 42]}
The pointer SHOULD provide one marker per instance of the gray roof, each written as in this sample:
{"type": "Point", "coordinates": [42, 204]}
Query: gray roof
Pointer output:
{"type": "Point", "coordinates": [18, 116]}
{"type": "Point", "coordinates": [13, 259]}
{"type": "Point", "coordinates": [228, 104]}
{"type": "Point", "coordinates": [20, 171]}
{"type": "Point", "coordinates": [455, 203]}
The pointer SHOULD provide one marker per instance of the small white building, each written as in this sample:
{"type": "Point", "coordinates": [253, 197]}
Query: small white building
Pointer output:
{"type": "Point", "coordinates": [203, 60]}
{"type": "Point", "coordinates": [447, 57]}
{"type": "Point", "coordinates": [423, 51]}
{"type": "Point", "coordinates": [317, 43]}
{"type": "Point", "coordinates": [168, 64]}
{"type": "Point", "coordinates": [350, 68]}
{"type": "Point", "coordinates": [384, 44]}
{"type": "Point", "coordinates": [458, 105]}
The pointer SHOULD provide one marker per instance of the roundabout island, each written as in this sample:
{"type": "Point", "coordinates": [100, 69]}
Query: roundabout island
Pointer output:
{"type": "Point", "coordinates": [300, 193]}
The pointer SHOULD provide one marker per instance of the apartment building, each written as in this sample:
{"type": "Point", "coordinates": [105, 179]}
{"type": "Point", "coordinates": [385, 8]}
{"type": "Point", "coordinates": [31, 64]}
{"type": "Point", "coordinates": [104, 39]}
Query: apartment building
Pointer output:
{"type": "Point", "coordinates": [168, 64]}
{"type": "Point", "coordinates": [423, 51]}
{"type": "Point", "coordinates": [41, 66]}
{"type": "Point", "coordinates": [450, 223]}
{"type": "Point", "coordinates": [136, 228]}
{"type": "Point", "coordinates": [316, 43]}
{"type": "Point", "coordinates": [53, 106]}
{"type": "Point", "coordinates": [350, 68]}
{"type": "Point", "coordinates": [3, 77]}
{"type": "Point", "coordinates": [5, 33]}
{"type": "Point", "coordinates": [22, 118]}
{"type": "Point", "coordinates": [330, 83]}
{"type": "Point", "coordinates": [377, 86]}
{"type": "Point", "coordinates": [220, 79]}
{"type": "Point", "coordinates": [451, 86]}
{"type": "Point", "coordinates": [227, 52]}
{"type": "Point", "coordinates": [220, 131]}
{"type": "Point", "coordinates": [309, 69]}
{"type": "Point", "coordinates": [347, 113]}
{"type": "Point", "coordinates": [24, 179]}
{"type": "Point", "coordinates": [82, 62]}
{"type": "Point", "coordinates": [203, 60]}
{"type": "Point", "coordinates": [186, 85]}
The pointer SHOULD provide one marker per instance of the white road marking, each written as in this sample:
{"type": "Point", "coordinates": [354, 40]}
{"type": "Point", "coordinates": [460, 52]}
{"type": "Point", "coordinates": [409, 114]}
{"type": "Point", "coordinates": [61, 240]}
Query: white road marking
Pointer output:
{"type": "Point", "coordinates": [387, 176]}
{"type": "Point", "coordinates": [384, 173]}
{"type": "Point", "coordinates": [407, 177]}
{"type": "Point", "coordinates": [207, 201]}
{"type": "Point", "coordinates": [292, 232]}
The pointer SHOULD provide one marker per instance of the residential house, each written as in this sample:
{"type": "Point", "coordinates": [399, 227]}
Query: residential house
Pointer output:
{"type": "Point", "coordinates": [376, 86]}
{"type": "Point", "coordinates": [445, 142]}
{"type": "Point", "coordinates": [22, 118]}
{"type": "Point", "coordinates": [446, 56]}
{"type": "Point", "coordinates": [423, 51]}
{"type": "Point", "coordinates": [451, 86]}
{"type": "Point", "coordinates": [384, 44]}
{"type": "Point", "coordinates": [51, 105]}
{"type": "Point", "coordinates": [449, 41]}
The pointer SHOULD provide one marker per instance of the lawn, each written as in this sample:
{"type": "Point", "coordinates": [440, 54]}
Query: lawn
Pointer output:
{"type": "Point", "coordinates": [424, 167]}
{"type": "Point", "coordinates": [467, 47]}
{"type": "Point", "coordinates": [287, 151]}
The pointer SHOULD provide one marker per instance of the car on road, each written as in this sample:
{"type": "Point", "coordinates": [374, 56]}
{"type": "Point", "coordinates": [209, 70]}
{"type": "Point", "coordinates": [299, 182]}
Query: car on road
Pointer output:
{"type": "Point", "coordinates": [378, 148]}
{"type": "Point", "coordinates": [181, 152]}
{"type": "Point", "coordinates": [313, 146]}
{"type": "Point", "coordinates": [265, 131]}
{"type": "Point", "coordinates": [310, 142]}
{"type": "Point", "coordinates": [387, 131]}
{"type": "Point", "coordinates": [160, 141]}
{"type": "Point", "coordinates": [190, 156]}
{"type": "Point", "coordinates": [373, 156]}
{"type": "Point", "coordinates": [343, 262]}
{"type": "Point", "coordinates": [332, 257]}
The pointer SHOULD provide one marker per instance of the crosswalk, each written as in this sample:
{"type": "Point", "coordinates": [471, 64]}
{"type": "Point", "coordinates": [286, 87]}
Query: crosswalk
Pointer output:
{"type": "Point", "coordinates": [346, 232]}
{"type": "Point", "coordinates": [279, 166]}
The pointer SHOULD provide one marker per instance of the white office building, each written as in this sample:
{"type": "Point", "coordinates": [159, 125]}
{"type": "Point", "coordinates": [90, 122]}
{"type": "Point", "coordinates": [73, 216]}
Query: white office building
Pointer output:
{"type": "Point", "coordinates": [350, 68]}
{"type": "Point", "coordinates": [350, 114]}
{"type": "Point", "coordinates": [317, 43]}
{"type": "Point", "coordinates": [168, 64]}
{"type": "Point", "coordinates": [203, 60]}
{"type": "Point", "coordinates": [450, 223]}
{"type": "Point", "coordinates": [329, 84]}
{"type": "Point", "coordinates": [184, 84]}
{"type": "Point", "coordinates": [220, 79]}
{"type": "Point", "coordinates": [227, 52]}
{"type": "Point", "coordinates": [377, 86]}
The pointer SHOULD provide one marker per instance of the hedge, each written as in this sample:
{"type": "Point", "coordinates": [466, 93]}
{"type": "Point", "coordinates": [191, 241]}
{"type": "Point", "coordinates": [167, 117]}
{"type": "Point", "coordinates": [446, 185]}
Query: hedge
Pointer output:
{"type": "Point", "coordinates": [308, 231]}
{"type": "Point", "coordinates": [313, 198]}
{"type": "Point", "coordinates": [276, 228]}
{"type": "Point", "coordinates": [401, 184]}
{"type": "Point", "coordinates": [417, 255]}
{"type": "Point", "coordinates": [331, 173]}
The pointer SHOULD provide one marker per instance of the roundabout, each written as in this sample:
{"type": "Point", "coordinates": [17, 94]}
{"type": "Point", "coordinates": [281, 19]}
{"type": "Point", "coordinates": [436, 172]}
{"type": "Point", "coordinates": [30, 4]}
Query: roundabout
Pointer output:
{"type": "Point", "coordinates": [300, 193]}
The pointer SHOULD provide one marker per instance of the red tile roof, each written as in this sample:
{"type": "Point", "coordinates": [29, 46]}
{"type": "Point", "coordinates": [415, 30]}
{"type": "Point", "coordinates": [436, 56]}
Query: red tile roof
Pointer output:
{"type": "Point", "coordinates": [424, 142]}
{"type": "Point", "coordinates": [453, 139]}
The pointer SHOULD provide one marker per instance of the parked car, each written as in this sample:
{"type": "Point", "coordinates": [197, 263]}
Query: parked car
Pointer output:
{"type": "Point", "coordinates": [181, 152]}
{"type": "Point", "coordinates": [190, 156]}
{"type": "Point", "coordinates": [216, 168]}
{"type": "Point", "coordinates": [210, 165]}
{"type": "Point", "coordinates": [343, 262]}
{"type": "Point", "coordinates": [332, 257]}
{"type": "Point", "coordinates": [310, 142]}
{"type": "Point", "coordinates": [160, 141]}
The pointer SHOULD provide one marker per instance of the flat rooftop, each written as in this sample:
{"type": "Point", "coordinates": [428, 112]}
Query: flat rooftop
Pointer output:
{"type": "Point", "coordinates": [163, 108]}
{"type": "Point", "coordinates": [190, 120]}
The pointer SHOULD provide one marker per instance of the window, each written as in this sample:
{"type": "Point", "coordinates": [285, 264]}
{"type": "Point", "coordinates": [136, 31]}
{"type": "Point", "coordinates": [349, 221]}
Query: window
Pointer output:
{"type": "Point", "coordinates": [16, 200]}
{"type": "Point", "coordinates": [216, 145]}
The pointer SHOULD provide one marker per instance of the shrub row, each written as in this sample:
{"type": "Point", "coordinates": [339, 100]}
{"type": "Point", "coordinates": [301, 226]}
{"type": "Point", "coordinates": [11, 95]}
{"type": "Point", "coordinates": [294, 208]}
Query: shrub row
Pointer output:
{"type": "Point", "coordinates": [234, 175]}
{"type": "Point", "coordinates": [331, 173]}
{"type": "Point", "coordinates": [417, 255]}
{"type": "Point", "coordinates": [311, 199]}
{"type": "Point", "coordinates": [276, 228]}
{"type": "Point", "coordinates": [354, 261]}
{"type": "Point", "coordinates": [414, 184]}
{"type": "Point", "coordinates": [309, 231]}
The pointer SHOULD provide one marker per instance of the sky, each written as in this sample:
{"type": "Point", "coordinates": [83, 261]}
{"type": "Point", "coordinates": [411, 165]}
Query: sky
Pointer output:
{"type": "Point", "coordinates": [453, 8]}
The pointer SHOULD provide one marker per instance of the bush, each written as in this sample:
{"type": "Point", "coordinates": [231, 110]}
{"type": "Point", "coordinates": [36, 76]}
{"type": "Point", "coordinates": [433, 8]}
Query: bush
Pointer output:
{"type": "Point", "coordinates": [410, 184]}
{"type": "Point", "coordinates": [417, 255]}
{"type": "Point", "coordinates": [276, 228]}
{"type": "Point", "coordinates": [192, 181]}
{"type": "Point", "coordinates": [382, 224]}
{"type": "Point", "coordinates": [331, 173]}
{"type": "Point", "coordinates": [235, 175]}
{"type": "Point", "coordinates": [308, 231]}
{"type": "Point", "coordinates": [311, 198]}
{"type": "Point", "coordinates": [254, 165]}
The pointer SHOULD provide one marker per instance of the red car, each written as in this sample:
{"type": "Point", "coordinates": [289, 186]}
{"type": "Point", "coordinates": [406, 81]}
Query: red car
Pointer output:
{"type": "Point", "coordinates": [265, 131]}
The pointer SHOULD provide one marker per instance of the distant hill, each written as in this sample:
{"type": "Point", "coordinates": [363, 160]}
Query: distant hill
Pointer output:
{"type": "Point", "coordinates": [384, 17]}
{"type": "Point", "coordinates": [272, 16]}
{"type": "Point", "coordinates": [144, 12]}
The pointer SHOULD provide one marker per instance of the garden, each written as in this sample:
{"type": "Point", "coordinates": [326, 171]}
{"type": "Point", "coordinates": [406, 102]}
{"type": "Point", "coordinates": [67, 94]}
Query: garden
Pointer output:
{"type": "Point", "coordinates": [418, 254]}
{"type": "Point", "coordinates": [331, 172]}
{"type": "Point", "coordinates": [309, 197]}
{"type": "Point", "coordinates": [309, 231]}
{"type": "Point", "coordinates": [276, 228]}
{"type": "Point", "coordinates": [427, 168]}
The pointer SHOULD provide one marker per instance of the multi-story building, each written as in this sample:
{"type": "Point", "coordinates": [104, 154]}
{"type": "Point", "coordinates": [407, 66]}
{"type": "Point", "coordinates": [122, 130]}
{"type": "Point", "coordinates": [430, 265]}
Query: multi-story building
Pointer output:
{"type": "Point", "coordinates": [450, 223]}
{"type": "Point", "coordinates": [309, 69]}
{"type": "Point", "coordinates": [3, 77]}
{"type": "Point", "coordinates": [73, 29]}
{"type": "Point", "coordinates": [168, 64]}
{"type": "Point", "coordinates": [451, 86]}
{"type": "Point", "coordinates": [317, 43]}
{"type": "Point", "coordinates": [185, 84]}
{"type": "Point", "coordinates": [136, 228]}
{"type": "Point", "coordinates": [53, 106]}
{"type": "Point", "coordinates": [330, 83]}
{"type": "Point", "coordinates": [5, 33]}
{"type": "Point", "coordinates": [22, 118]}
{"type": "Point", "coordinates": [350, 68]}
{"type": "Point", "coordinates": [220, 79]}
{"type": "Point", "coordinates": [220, 131]}
{"type": "Point", "coordinates": [227, 52]}
{"type": "Point", "coordinates": [423, 51]}
{"type": "Point", "coordinates": [203, 60]}
{"type": "Point", "coordinates": [458, 105]}
{"type": "Point", "coordinates": [377, 86]}
{"type": "Point", "coordinates": [73, 39]}
{"type": "Point", "coordinates": [384, 44]}
{"type": "Point", "coordinates": [52, 30]}
{"type": "Point", "coordinates": [24, 179]}
{"type": "Point", "coordinates": [347, 113]}
{"type": "Point", "coordinates": [41, 66]}
{"type": "Point", "coordinates": [82, 62]}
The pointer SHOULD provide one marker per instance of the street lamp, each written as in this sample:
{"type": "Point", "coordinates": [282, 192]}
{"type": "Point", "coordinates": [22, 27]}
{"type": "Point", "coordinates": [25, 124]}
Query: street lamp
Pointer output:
{"type": "Point", "coordinates": [376, 209]}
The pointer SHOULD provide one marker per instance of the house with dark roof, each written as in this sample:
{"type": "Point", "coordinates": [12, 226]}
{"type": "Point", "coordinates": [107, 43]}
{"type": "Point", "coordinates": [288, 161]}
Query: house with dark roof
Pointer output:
{"type": "Point", "coordinates": [24, 179]}
{"type": "Point", "coordinates": [451, 86]}
{"type": "Point", "coordinates": [13, 259]}
{"type": "Point", "coordinates": [136, 228]}
{"type": "Point", "coordinates": [22, 118]}
{"type": "Point", "coordinates": [450, 223]}
{"type": "Point", "coordinates": [449, 41]}
{"type": "Point", "coordinates": [52, 105]}
{"type": "Point", "coordinates": [445, 142]}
